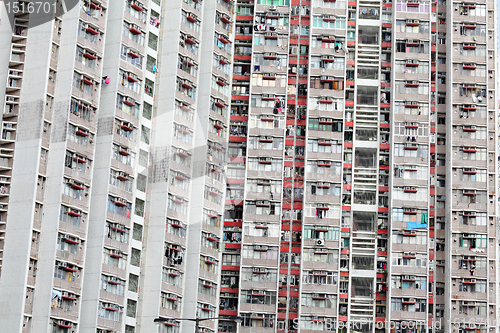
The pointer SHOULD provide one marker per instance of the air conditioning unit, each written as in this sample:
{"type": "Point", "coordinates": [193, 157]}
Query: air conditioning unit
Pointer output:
{"type": "Point", "coordinates": [273, 8]}
{"type": "Point", "coordinates": [380, 249]}
{"type": "Point", "coordinates": [320, 242]}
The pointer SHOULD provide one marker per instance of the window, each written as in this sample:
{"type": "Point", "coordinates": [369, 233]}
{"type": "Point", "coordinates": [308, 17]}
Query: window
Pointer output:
{"type": "Point", "coordinates": [74, 189]}
{"type": "Point", "coordinates": [325, 124]}
{"type": "Point", "coordinates": [209, 264]}
{"type": "Point", "coordinates": [408, 304]}
{"type": "Point", "coordinates": [473, 241]}
{"type": "Point", "coordinates": [130, 81]}
{"type": "Point", "coordinates": [220, 85]}
{"type": "Point", "coordinates": [268, 80]}
{"type": "Point", "coordinates": [137, 10]}
{"type": "Point", "coordinates": [210, 241]}
{"type": "Point", "coordinates": [134, 33]}
{"type": "Point", "coordinates": [188, 65]}
{"type": "Point", "coordinates": [265, 164]}
{"type": "Point", "coordinates": [321, 232]}
{"type": "Point", "coordinates": [211, 218]}
{"type": "Point", "coordinates": [141, 182]}
{"type": "Point", "coordinates": [409, 282]}
{"type": "Point", "coordinates": [86, 58]}
{"type": "Point", "coordinates": [472, 285]}
{"type": "Point", "coordinates": [187, 88]}
{"type": "Point", "coordinates": [327, 82]}
{"type": "Point", "coordinates": [79, 135]}
{"type": "Point", "coordinates": [367, 95]}
{"type": "Point", "coordinates": [135, 257]}
{"type": "Point", "coordinates": [368, 34]}
{"type": "Point", "coordinates": [320, 255]}
{"type": "Point", "coordinates": [407, 150]}
{"type": "Point", "coordinates": [68, 243]}
{"type": "Point", "coordinates": [172, 276]}
{"type": "Point", "coordinates": [207, 288]}
{"type": "Point", "coordinates": [71, 216]}
{"type": "Point", "coordinates": [472, 218]}
{"type": "Point", "coordinates": [177, 204]}
{"type": "Point", "coordinates": [415, 259]}
{"type": "Point", "coordinates": [320, 277]}
{"type": "Point", "coordinates": [151, 64]}
{"type": "Point", "coordinates": [131, 56]}
{"type": "Point", "coordinates": [410, 193]}
{"type": "Point", "coordinates": [131, 308]}
{"type": "Point", "coordinates": [137, 232]}
{"type": "Point", "coordinates": [217, 128]}
{"type": "Point", "coordinates": [231, 259]}
{"type": "Point", "coordinates": [143, 158]}
{"type": "Point", "coordinates": [147, 111]}
{"type": "Point", "coordinates": [82, 110]}
{"type": "Point", "coordinates": [174, 254]}
{"type": "Point", "coordinates": [63, 300]}
{"type": "Point", "coordinates": [125, 129]}
{"type": "Point", "coordinates": [259, 274]}
{"type": "Point", "coordinates": [66, 271]}
{"type": "Point", "coordinates": [412, 6]}
{"type": "Point", "coordinates": [323, 167]}
{"type": "Point", "coordinates": [259, 320]}
{"type": "Point", "coordinates": [115, 258]}
{"type": "Point", "coordinates": [83, 83]}
{"type": "Point", "coordinates": [91, 9]}
{"type": "Point", "coordinates": [263, 297]}
{"type": "Point", "coordinates": [133, 283]}
{"type": "Point", "coordinates": [120, 180]}
{"type": "Point", "coordinates": [265, 143]}
{"type": "Point", "coordinates": [119, 206]}
{"type": "Point", "coordinates": [149, 87]}
{"type": "Point", "coordinates": [409, 215]}
{"type": "Point", "coordinates": [88, 32]}
{"type": "Point", "coordinates": [260, 252]}
{"type": "Point", "coordinates": [319, 300]}
{"type": "Point", "coordinates": [117, 232]}
{"type": "Point", "coordinates": [76, 162]}
{"type": "Point", "coordinates": [329, 22]}
{"type": "Point", "coordinates": [189, 43]}
{"type": "Point", "coordinates": [127, 105]}
{"type": "Point", "coordinates": [472, 308]}
{"type": "Point", "coordinates": [190, 20]}
{"type": "Point", "coordinates": [263, 207]}
{"type": "Point", "coordinates": [409, 237]}
{"type": "Point", "coordinates": [123, 154]}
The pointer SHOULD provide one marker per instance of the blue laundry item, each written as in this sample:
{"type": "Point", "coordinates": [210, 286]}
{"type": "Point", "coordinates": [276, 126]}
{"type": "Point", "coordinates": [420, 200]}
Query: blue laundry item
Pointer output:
{"type": "Point", "coordinates": [416, 225]}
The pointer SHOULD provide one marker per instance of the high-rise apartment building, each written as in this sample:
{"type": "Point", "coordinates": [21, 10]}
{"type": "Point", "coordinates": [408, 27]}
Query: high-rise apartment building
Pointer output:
{"type": "Point", "coordinates": [306, 165]}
